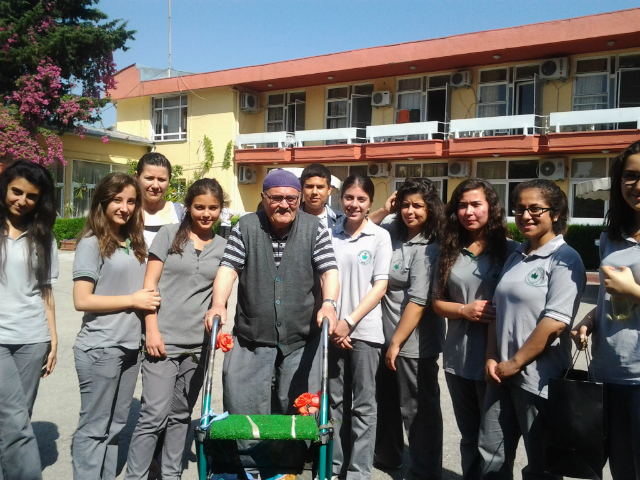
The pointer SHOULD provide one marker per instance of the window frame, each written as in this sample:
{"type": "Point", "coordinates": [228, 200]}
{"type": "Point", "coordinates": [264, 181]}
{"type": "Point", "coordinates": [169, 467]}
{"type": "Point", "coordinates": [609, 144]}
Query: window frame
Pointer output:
{"type": "Point", "coordinates": [606, 73]}
{"type": "Point", "coordinates": [328, 101]}
{"type": "Point", "coordinates": [334, 199]}
{"type": "Point", "coordinates": [422, 92]}
{"type": "Point", "coordinates": [571, 197]}
{"type": "Point", "coordinates": [285, 110]}
{"type": "Point", "coordinates": [444, 187]}
{"type": "Point", "coordinates": [507, 84]}
{"type": "Point", "coordinates": [90, 186]}
{"type": "Point", "coordinates": [182, 135]}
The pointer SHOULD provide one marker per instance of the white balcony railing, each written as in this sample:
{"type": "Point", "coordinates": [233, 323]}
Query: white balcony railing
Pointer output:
{"type": "Point", "coordinates": [331, 134]}
{"type": "Point", "coordinates": [558, 120]}
{"type": "Point", "coordinates": [252, 140]}
{"type": "Point", "coordinates": [403, 130]}
{"type": "Point", "coordinates": [506, 124]}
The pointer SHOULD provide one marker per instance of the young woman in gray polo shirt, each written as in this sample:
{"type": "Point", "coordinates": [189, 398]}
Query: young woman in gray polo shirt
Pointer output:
{"type": "Point", "coordinates": [363, 253]}
{"type": "Point", "coordinates": [535, 302]}
{"type": "Point", "coordinates": [407, 381]}
{"type": "Point", "coordinates": [473, 249]}
{"type": "Point", "coordinates": [28, 340]}
{"type": "Point", "coordinates": [108, 274]}
{"type": "Point", "coordinates": [615, 322]}
{"type": "Point", "coordinates": [183, 261]}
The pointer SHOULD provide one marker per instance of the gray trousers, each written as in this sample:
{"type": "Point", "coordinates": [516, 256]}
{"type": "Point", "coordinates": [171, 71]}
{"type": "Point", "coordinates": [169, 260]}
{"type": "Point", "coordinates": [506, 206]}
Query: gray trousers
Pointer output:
{"type": "Point", "coordinates": [170, 389]}
{"type": "Point", "coordinates": [410, 396]}
{"type": "Point", "coordinates": [262, 381]}
{"type": "Point", "coordinates": [352, 399]}
{"type": "Point", "coordinates": [467, 397]}
{"type": "Point", "coordinates": [624, 431]}
{"type": "Point", "coordinates": [20, 372]}
{"type": "Point", "coordinates": [107, 379]}
{"type": "Point", "coordinates": [511, 412]}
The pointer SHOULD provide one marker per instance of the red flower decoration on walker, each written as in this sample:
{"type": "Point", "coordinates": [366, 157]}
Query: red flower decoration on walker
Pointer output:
{"type": "Point", "coordinates": [224, 342]}
{"type": "Point", "coordinates": [307, 403]}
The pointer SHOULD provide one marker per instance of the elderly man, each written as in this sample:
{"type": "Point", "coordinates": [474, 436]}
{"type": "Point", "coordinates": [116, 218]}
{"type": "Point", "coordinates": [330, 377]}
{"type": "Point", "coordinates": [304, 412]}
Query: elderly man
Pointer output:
{"type": "Point", "coordinates": [275, 253]}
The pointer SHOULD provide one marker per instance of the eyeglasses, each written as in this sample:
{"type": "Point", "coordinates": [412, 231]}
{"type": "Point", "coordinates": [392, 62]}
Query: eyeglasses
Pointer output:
{"type": "Point", "coordinates": [630, 179]}
{"type": "Point", "coordinates": [277, 199]}
{"type": "Point", "coordinates": [533, 211]}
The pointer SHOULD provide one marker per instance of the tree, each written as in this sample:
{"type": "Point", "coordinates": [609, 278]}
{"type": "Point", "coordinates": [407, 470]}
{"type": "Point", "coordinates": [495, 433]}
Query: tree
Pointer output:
{"type": "Point", "coordinates": [50, 49]}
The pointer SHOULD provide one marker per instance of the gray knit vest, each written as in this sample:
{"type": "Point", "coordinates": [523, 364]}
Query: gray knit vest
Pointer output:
{"type": "Point", "coordinates": [277, 306]}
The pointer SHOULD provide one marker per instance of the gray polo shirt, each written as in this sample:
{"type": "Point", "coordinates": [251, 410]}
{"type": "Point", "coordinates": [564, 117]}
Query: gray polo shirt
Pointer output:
{"type": "Point", "coordinates": [186, 287]}
{"type": "Point", "coordinates": [121, 274]}
{"type": "Point", "coordinates": [546, 283]}
{"type": "Point", "coordinates": [471, 278]}
{"type": "Point", "coordinates": [616, 344]}
{"type": "Point", "coordinates": [410, 274]}
{"type": "Point", "coordinates": [23, 318]}
{"type": "Point", "coordinates": [362, 260]}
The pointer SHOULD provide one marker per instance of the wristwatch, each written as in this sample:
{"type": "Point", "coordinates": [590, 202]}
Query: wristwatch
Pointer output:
{"type": "Point", "coordinates": [350, 321]}
{"type": "Point", "coordinates": [332, 302]}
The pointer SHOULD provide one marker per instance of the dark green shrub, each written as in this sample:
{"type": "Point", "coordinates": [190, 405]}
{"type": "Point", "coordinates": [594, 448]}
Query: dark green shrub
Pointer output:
{"type": "Point", "coordinates": [581, 237]}
{"type": "Point", "coordinates": [234, 220]}
{"type": "Point", "coordinates": [67, 228]}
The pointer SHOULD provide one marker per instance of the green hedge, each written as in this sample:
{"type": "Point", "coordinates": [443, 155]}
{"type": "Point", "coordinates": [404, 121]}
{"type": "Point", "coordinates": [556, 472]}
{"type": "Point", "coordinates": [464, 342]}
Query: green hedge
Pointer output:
{"type": "Point", "coordinates": [581, 237]}
{"type": "Point", "coordinates": [234, 220]}
{"type": "Point", "coordinates": [67, 228]}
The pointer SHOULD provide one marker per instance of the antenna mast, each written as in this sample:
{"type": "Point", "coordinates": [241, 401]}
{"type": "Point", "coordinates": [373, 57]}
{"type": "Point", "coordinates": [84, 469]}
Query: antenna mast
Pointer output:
{"type": "Point", "coordinates": [169, 71]}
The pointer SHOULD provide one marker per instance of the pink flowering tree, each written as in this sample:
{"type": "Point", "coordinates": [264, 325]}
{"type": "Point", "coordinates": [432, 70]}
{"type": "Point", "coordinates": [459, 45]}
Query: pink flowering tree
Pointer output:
{"type": "Point", "coordinates": [56, 70]}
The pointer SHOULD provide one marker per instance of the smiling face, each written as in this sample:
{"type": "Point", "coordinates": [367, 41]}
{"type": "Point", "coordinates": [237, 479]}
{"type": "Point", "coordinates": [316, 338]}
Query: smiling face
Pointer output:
{"type": "Point", "coordinates": [537, 228]}
{"type": "Point", "coordinates": [315, 192]}
{"type": "Point", "coordinates": [205, 211]}
{"type": "Point", "coordinates": [121, 208]}
{"type": "Point", "coordinates": [414, 211]}
{"type": "Point", "coordinates": [281, 215]}
{"type": "Point", "coordinates": [154, 181]}
{"type": "Point", "coordinates": [355, 203]}
{"type": "Point", "coordinates": [22, 197]}
{"type": "Point", "coordinates": [631, 193]}
{"type": "Point", "coordinates": [473, 210]}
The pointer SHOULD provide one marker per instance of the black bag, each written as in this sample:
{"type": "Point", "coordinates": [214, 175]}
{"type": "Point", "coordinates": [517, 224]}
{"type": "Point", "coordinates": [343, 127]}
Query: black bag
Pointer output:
{"type": "Point", "coordinates": [576, 430]}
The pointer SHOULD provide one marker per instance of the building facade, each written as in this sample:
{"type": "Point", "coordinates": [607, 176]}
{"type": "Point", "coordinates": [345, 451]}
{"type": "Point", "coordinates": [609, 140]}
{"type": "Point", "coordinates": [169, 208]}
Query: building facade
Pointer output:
{"type": "Point", "coordinates": [554, 100]}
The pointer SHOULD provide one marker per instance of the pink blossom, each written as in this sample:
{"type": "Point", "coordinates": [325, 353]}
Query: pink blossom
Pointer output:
{"type": "Point", "coordinates": [105, 139]}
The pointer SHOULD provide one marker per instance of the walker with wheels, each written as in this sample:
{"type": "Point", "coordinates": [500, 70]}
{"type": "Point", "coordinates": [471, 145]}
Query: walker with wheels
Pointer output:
{"type": "Point", "coordinates": [217, 435]}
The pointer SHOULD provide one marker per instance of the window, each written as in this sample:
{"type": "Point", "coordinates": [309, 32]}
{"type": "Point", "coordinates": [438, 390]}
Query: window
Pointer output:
{"type": "Point", "coordinates": [285, 110]}
{"type": "Point", "coordinates": [84, 178]}
{"type": "Point", "coordinates": [591, 86]}
{"type": "Point", "coordinates": [170, 118]}
{"type": "Point", "coordinates": [337, 108]}
{"type": "Point", "coordinates": [57, 170]}
{"type": "Point", "coordinates": [409, 100]}
{"type": "Point", "coordinates": [583, 169]}
{"type": "Point", "coordinates": [505, 175]}
{"type": "Point", "coordinates": [492, 93]}
{"type": "Point", "coordinates": [435, 171]}
{"type": "Point", "coordinates": [342, 172]}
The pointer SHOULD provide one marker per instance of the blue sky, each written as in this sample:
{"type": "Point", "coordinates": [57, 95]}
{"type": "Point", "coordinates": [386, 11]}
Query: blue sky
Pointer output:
{"type": "Point", "coordinates": [214, 35]}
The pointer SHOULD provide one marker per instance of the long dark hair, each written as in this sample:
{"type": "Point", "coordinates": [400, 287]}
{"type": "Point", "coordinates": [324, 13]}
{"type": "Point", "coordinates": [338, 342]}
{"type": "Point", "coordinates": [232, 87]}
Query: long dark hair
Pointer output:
{"type": "Point", "coordinates": [98, 225]}
{"type": "Point", "coordinates": [39, 221]}
{"type": "Point", "coordinates": [620, 216]}
{"type": "Point", "coordinates": [455, 236]}
{"type": "Point", "coordinates": [204, 186]}
{"type": "Point", "coordinates": [435, 208]}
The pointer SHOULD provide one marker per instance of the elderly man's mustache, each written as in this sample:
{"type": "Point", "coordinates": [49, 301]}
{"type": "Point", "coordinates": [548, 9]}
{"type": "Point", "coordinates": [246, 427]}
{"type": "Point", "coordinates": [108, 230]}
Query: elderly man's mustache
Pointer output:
{"type": "Point", "coordinates": [282, 211]}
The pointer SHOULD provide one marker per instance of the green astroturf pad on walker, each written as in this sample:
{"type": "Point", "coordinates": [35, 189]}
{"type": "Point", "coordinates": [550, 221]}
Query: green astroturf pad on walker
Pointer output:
{"type": "Point", "coordinates": [267, 427]}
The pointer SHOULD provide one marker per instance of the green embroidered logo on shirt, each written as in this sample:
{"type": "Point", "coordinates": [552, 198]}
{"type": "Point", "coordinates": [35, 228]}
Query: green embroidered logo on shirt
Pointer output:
{"type": "Point", "coordinates": [364, 257]}
{"type": "Point", "coordinates": [535, 277]}
{"type": "Point", "coordinates": [397, 264]}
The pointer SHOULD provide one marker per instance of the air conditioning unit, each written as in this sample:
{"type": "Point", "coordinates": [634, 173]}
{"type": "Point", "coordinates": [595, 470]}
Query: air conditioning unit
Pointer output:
{"type": "Point", "coordinates": [554, 68]}
{"type": "Point", "coordinates": [249, 103]}
{"type": "Point", "coordinates": [247, 174]}
{"type": "Point", "coordinates": [551, 169]}
{"type": "Point", "coordinates": [381, 99]}
{"type": "Point", "coordinates": [461, 79]}
{"type": "Point", "coordinates": [460, 169]}
{"type": "Point", "coordinates": [379, 170]}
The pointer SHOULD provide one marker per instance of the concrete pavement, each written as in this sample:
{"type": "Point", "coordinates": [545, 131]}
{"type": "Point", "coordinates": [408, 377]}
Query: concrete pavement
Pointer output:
{"type": "Point", "coordinates": [56, 410]}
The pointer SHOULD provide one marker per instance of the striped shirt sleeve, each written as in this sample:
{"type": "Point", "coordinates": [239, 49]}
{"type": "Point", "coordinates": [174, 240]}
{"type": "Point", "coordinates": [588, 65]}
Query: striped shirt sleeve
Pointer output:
{"type": "Point", "coordinates": [323, 257]}
{"type": "Point", "coordinates": [234, 252]}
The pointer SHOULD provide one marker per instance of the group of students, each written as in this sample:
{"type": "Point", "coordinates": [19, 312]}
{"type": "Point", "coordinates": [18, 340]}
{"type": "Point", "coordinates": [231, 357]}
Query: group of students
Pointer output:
{"type": "Point", "coordinates": [509, 310]}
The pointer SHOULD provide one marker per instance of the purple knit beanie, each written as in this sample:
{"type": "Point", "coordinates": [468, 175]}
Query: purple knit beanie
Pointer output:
{"type": "Point", "coordinates": [280, 178]}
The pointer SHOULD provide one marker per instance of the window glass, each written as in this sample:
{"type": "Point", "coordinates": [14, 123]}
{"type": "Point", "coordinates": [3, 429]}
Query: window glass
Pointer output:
{"type": "Point", "coordinates": [527, 72]}
{"type": "Point", "coordinates": [491, 170]}
{"type": "Point", "coordinates": [592, 65]}
{"type": "Point", "coordinates": [501, 190]}
{"type": "Point", "coordinates": [404, 170]}
{"type": "Point", "coordinates": [438, 81]}
{"type": "Point", "coordinates": [629, 61]}
{"type": "Point", "coordinates": [590, 92]}
{"type": "Point", "coordinates": [275, 99]}
{"type": "Point", "coordinates": [170, 118]}
{"type": "Point", "coordinates": [585, 207]}
{"type": "Point", "coordinates": [363, 89]}
{"type": "Point", "coordinates": [409, 101]}
{"type": "Point", "coordinates": [434, 170]}
{"type": "Point", "coordinates": [410, 84]}
{"type": "Point", "coordinates": [523, 169]}
{"type": "Point", "coordinates": [497, 75]}
{"type": "Point", "coordinates": [492, 100]}
{"type": "Point", "coordinates": [588, 168]}
{"type": "Point", "coordinates": [340, 92]}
